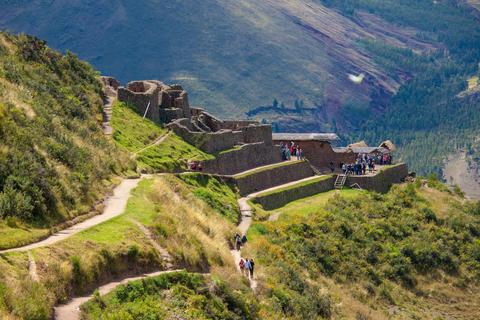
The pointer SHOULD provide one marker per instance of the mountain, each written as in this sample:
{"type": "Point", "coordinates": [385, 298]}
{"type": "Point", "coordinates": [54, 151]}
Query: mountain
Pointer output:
{"type": "Point", "coordinates": [365, 69]}
{"type": "Point", "coordinates": [232, 55]}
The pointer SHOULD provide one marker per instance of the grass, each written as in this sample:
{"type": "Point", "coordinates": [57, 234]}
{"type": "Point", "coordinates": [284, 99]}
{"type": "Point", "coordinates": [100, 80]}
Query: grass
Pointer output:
{"type": "Point", "coordinates": [134, 133]}
{"type": "Point", "coordinates": [306, 206]}
{"type": "Point", "coordinates": [131, 131]}
{"type": "Point", "coordinates": [172, 155]}
{"type": "Point", "coordinates": [11, 237]}
{"type": "Point", "coordinates": [294, 186]}
{"type": "Point", "coordinates": [266, 168]}
{"type": "Point", "coordinates": [354, 254]}
{"type": "Point", "coordinates": [172, 296]}
{"type": "Point", "coordinates": [55, 161]}
{"type": "Point", "coordinates": [219, 195]}
{"type": "Point", "coordinates": [196, 236]}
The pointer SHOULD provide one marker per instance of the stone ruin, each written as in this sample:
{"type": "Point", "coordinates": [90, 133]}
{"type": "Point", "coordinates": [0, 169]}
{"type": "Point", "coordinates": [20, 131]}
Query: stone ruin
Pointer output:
{"type": "Point", "coordinates": [169, 105]}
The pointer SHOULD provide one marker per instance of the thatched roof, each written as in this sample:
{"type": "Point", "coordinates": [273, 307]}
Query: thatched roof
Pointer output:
{"type": "Point", "coordinates": [360, 144]}
{"type": "Point", "coordinates": [388, 145]}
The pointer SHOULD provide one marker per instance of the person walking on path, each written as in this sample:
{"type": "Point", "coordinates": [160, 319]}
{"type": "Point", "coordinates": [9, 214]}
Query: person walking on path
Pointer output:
{"type": "Point", "coordinates": [241, 264]}
{"type": "Point", "coordinates": [252, 265]}
{"type": "Point", "coordinates": [238, 241]}
{"type": "Point", "coordinates": [247, 267]}
{"type": "Point", "coordinates": [244, 239]}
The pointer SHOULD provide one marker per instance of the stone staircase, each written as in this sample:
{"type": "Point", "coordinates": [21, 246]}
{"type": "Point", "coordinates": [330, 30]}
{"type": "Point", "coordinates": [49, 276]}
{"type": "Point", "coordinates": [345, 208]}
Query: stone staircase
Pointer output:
{"type": "Point", "coordinates": [110, 95]}
{"type": "Point", "coordinates": [340, 181]}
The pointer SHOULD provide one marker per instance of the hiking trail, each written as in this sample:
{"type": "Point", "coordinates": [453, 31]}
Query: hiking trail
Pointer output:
{"type": "Point", "coordinates": [114, 206]}
{"type": "Point", "coordinates": [71, 310]}
{"type": "Point", "coordinates": [246, 213]}
{"type": "Point", "coordinates": [157, 141]}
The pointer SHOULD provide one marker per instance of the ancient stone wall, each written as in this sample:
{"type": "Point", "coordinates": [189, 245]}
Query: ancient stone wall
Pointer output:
{"type": "Point", "coordinates": [210, 142]}
{"type": "Point", "coordinates": [257, 133]}
{"type": "Point", "coordinates": [237, 124]}
{"type": "Point", "coordinates": [382, 181]}
{"type": "Point", "coordinates": [277, 175]}
{"type": "Point", "coordinates": [319, 153]}
{"type": "Point", "coordinates": [141, 94]}
{"type": "Point", "coordinates": [277, 199]}
{"type": "Point", "coordinates": [243, 158]}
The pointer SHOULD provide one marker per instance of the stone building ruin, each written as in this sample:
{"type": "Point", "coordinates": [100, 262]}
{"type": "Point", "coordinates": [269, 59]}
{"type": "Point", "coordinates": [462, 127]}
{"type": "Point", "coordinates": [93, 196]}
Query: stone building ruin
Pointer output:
{"type": "Point", "coordinates": [169, 105]}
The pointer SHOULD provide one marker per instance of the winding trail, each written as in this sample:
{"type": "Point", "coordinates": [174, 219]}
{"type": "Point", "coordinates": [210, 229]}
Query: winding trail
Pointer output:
{"type": "Point", "coordinates": [246, 220]}
{"type": "Point", "coordinates": [153, 144]}
{"type": "Point", "coordinates": [114, 206]}
{"type": "Point", "coordinates": [71, 310]}
{"type": "Point", "coordinates": [32, 267]}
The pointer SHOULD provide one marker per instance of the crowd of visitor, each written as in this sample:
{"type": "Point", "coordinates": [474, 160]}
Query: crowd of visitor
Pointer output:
{"type": "Point", "coordinates": [291, 151]}
{"type": "Point", "coordinates": [365, 162]}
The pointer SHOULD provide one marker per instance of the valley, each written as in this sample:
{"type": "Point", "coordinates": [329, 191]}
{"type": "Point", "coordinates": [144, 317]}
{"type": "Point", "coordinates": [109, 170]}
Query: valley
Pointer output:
{"type": "Point", "coordinates": [126, 200]}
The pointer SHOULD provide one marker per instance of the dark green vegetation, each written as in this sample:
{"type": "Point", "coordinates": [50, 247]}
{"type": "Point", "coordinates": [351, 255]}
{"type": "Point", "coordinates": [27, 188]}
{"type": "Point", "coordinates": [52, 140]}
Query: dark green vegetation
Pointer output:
{"type": "Point", "coordinates": [376, 250]}
{"type": "Point", "coordinates": [172, 295]}
{"type": "Point", "coordinates": [426, 117]}
{"type": "Point", "coordinates": [55, 162]}
{"type": "Point", "coordinates": [154, 150]}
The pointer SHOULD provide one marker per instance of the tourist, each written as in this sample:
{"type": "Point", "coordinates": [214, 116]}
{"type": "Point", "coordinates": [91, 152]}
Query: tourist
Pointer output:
{"type": "Point", "coordinates": [344, 168]}
{"type": "Point", "coordinates": [252, 265]}
{"type": "Point", "coordinates": [244, 239]}
{"type": "Point", "coordinates": [238, 241]}
{"type": "Point", "coordinates": [247, 266]}
{"type": "Point", "coordinates": [332, 167]}
{"type": "Point", "coordinates": [289, 155]}
{"type": "Point", "coordinates": [241, 265]}
{"type": "Point", "coordinates": [364, 167]}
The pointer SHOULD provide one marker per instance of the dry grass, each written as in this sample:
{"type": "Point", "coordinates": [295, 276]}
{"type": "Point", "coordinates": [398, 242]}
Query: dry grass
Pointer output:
{"type": "Point", "coordinates": [194, 234]}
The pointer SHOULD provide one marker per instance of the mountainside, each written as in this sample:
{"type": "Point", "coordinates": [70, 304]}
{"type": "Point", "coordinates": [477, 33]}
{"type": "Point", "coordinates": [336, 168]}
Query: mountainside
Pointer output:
{"type": "Point", "coordinates": [55, 162]}
{"type": "Point", "coordinates": [232, 55]}
{"type": "Point", "coordinates": [365, 69]}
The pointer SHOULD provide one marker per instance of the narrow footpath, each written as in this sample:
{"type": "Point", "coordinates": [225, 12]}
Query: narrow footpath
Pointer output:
{"type": "Point", "coordinates": [71, 310]}
{"type": "Point", "coordinates": [153, 144]}
{"type": "Point", "coordinates": [114, 206]}
{"type": "Point", "coordinates": [247, 216]}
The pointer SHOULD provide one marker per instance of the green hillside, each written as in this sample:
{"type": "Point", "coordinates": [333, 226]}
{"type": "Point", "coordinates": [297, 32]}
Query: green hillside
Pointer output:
{"type": "Point", "coordinates": [356, 255]}
{"type": "Point", "coordinates": [55, 161]}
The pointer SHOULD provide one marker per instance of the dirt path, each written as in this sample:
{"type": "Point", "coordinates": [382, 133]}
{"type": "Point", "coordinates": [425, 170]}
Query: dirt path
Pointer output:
{"type": "Point", "coordinates": [246, 220]}
{"type": "Point", "coordinates": [32, 267]}
{"type": "Point", "coordinates": [71, 310]}
{"type": "Point", "coordinates": [162, 251]}
{"type": "Point", "coordinates": [114, 206]}
{"type": "Point", "coordinates": [153, 144]}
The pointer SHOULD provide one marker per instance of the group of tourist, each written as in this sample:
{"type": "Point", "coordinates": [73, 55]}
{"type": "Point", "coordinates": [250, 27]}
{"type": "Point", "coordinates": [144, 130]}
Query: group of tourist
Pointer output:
{"type": "Point", "coordinates": [195, 166]}
{"type": "Point", "coordinates": [239, 241]}
{"type": "Point", "coordinates": [364, 162]}
{"type": "Point", "coordinates": [291, 151]}
{"type": "Point", "coordinates": [246, 267]}
{"type": "Point", "coordinates": [358, 168]}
